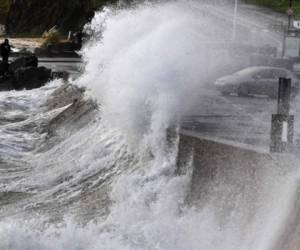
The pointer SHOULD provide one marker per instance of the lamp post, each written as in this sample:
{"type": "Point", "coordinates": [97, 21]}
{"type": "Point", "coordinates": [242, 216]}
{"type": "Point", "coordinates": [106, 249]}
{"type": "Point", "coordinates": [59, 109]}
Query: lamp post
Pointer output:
{"type": "Point", "coordinates": [290, 13]}
{"type": "Point", "coordinates": [234, 19]}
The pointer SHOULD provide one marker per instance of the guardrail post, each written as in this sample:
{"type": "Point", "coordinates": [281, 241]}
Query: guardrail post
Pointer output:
{"type": "Point", "coordinates": [282, 129]}
{"type": "Point", "coordinates": [284, 96]}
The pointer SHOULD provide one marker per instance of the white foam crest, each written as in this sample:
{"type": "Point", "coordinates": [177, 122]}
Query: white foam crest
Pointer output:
{"type": "Point", "coordinates": [149, 212]}
{"type": "Point", "coordinates": [148, 66]}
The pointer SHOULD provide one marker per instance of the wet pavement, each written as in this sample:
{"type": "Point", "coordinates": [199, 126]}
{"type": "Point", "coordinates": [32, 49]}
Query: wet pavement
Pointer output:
{"type": "Point", "coordinates": [244, 120]}
{"type": "Point", "coordinates": [72, 65]}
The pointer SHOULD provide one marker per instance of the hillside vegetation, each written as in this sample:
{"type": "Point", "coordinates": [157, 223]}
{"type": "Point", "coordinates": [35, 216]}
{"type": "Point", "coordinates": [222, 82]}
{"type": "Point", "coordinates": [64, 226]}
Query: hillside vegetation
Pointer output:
{"type": "Point", "coordinates": [33, 17]}
{"type": "Point", "coordinates": [4, 8]}
{"type": "Point", "coordinates": [278, 5]}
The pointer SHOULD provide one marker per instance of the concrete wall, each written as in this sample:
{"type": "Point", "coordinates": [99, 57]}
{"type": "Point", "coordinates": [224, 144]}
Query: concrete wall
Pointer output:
{"type": "Point", "coordinates": [235, 177]}
{"type": "Point", "coordinates": [215, 159]}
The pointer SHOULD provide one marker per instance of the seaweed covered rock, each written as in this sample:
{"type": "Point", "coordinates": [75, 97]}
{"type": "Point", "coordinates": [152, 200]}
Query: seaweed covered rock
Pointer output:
{"type": "Point", "coordinates": [31, 77]}
{"type": "Point", "coordinates": [3, 68]}
{"type": "Point", "coordinates": [25, 61]}
{"type": "Point", "coordinates": [23, 73]}
{"type": "Point", "coordinates": [6, 84]}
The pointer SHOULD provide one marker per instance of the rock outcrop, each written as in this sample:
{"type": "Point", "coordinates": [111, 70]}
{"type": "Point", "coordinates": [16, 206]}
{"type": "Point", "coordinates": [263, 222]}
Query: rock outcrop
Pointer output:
{"type": "Point", "coordinates": [31, 77]}
{"type": "Point", "coordinates": [25, 61]}
{"type": "Point", "coordinates": [23, 73]}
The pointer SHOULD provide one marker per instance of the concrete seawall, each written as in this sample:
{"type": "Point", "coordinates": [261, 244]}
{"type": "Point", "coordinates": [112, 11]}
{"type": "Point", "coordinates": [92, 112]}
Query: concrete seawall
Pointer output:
{"type": "Point", "coordinates": [213, 158]}
{"type": "Point", "coordinates": [238, 177]}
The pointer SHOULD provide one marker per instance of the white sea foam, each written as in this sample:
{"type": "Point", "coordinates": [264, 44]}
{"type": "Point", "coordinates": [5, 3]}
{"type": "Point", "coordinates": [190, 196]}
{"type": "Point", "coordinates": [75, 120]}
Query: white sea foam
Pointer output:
{"type": "Point", "coordinates": [146, 67]}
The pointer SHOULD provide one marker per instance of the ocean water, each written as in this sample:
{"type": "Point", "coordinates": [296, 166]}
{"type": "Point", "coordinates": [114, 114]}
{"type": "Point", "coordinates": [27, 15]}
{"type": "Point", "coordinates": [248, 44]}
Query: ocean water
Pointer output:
{"type": "Point", "coordinates": [95, 170]}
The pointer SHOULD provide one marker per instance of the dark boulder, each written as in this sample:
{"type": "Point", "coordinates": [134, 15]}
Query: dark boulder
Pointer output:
{"type": "Point", "coordinates": [6, 83]}
{"type": "Point", "coordinates": [60, 75]}
{"type": "Point", "coordinates": [23, 73]}
{"type": "Point", "coordinates": [25, 61]}
{"type": "Point", "coordinates": [31, 77]}
{"type": "Point", "coordinates": [3, 68]}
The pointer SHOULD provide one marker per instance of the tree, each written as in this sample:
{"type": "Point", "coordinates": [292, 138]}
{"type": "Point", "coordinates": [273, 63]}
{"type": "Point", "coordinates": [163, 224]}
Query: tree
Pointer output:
{"type": "Point", "coordinates": [4, 8]}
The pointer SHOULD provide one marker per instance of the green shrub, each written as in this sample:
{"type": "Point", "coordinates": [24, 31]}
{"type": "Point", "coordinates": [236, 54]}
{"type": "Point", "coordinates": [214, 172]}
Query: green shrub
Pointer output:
{"type": "Point", "coordinates": [51, 37]}
{"type": "Point", "coordinates": [4, 8]}
{"type": "Point", "coordinates": [278, 5]}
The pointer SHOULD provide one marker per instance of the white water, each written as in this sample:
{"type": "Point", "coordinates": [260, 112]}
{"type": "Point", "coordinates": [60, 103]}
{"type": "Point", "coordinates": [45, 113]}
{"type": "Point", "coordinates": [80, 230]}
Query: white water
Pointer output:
{"type": "Point", "coordinates": [146, 67]}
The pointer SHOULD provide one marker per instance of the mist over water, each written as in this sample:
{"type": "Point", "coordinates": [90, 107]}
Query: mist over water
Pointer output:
{"type": "Point", "coordinates": [147, 63]}
{"type": "Point", "coordinates": [111, 184]}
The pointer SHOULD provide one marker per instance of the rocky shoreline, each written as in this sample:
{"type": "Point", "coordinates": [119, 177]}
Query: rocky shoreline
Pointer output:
{"type": "Point", "coordinates": [25, 73]}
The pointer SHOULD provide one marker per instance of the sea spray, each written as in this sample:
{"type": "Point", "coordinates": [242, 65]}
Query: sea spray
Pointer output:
{"type": "Point", "coordinates": [112, 184]}
{"type": "Point", "coordinates": [144, 67]}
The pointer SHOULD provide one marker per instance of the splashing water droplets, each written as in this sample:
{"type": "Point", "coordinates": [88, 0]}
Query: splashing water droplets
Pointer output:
{"type": "Point", "coordinates": [146, 67]}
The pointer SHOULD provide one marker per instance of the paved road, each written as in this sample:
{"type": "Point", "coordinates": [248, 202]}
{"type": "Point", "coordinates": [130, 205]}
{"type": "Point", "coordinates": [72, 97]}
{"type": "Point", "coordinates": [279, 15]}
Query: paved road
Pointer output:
{"type": "Point", "coordinates": [244, 120]}
{"type": "Point", "coordinates": [238, 119]}
{"type": "Point", "coordinates": [71, 65]}
{"type": "Point", "coordinates": [254, 25]}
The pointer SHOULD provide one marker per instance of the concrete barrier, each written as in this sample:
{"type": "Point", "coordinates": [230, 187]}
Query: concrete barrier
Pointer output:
{"type": "Point", "coordinates": [232, 174]}
{"type": "Point", "coordinates": [213, 158]}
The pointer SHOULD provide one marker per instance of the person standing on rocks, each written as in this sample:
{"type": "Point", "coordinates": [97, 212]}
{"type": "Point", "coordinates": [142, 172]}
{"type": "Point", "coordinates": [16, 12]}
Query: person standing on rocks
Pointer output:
{"type": "Point", "coordinates": [5, 49]}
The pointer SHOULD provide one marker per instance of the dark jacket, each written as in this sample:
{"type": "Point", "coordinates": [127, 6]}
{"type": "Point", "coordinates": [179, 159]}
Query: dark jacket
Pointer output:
{"type": "Point", "coordinates": [5, 49]}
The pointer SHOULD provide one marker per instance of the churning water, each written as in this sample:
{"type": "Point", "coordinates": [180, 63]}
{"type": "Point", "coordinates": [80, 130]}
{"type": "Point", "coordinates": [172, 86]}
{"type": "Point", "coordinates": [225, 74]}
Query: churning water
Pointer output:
{"type": "Point", "coordinates": [76, 175]}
